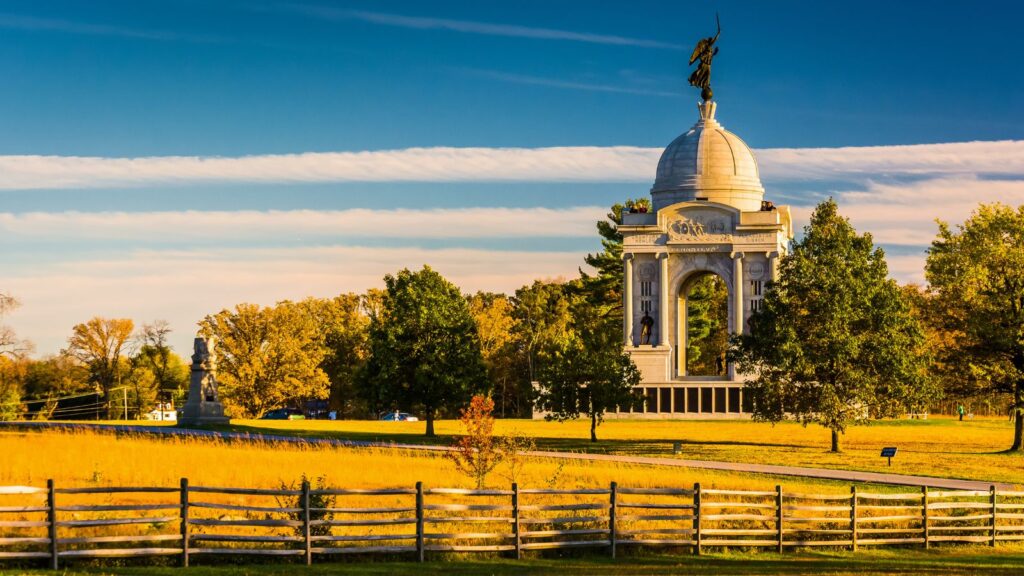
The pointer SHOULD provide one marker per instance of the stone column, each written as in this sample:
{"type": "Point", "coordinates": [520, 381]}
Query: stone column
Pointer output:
{"type": "Point", "coordinates": [737, 291]}
{"type": "Point", "coordinates": [627, 300]}
{"type": "Point", "coordinates": [773, 266]}
{"type": "Point", "coordinates": [663, 301]}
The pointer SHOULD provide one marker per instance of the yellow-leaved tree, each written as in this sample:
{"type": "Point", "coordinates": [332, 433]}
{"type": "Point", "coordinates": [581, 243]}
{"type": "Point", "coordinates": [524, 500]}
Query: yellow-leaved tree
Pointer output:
{"type": "Point", "coordinates": [267, 357]}
{"type": "Point", "coordinates": [101, 344]}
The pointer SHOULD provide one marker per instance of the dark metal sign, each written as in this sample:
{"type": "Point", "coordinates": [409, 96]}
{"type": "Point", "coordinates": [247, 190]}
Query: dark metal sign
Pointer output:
{"type": "Point", "coordinates": [889, 452]}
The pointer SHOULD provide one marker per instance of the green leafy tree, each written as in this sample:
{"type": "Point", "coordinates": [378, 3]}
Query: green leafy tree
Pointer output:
{"type": "Point", "coordinates": [424, 347]}
{"type": "Point", "coordinates": [267, 357]}
{"type": "Point", "coordinates": [542, 320]}
{"type": "Point", "coordinates": [834, 342]}
{"type": "Point", "coordinates": [344, 323]}
{"type": "Point", "coordinates": [169, 371]}
{"type": "Point", "coordinates": [707, 321]}
{"type": "Point", "coordinates": [604, 289]}
{"type": "Point", "coordinates": [976, 274]}
{"type": "Point", "coordinates": [588, 373]}
{"type": "Point", "coordinates": [102, 345]}
{"type": "Point", "coordinates": [142, 387]}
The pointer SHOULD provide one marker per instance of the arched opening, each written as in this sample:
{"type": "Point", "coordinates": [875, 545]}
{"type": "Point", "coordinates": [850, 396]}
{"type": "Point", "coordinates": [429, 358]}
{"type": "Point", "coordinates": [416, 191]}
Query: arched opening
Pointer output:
{"type": "Point", "coordinates": [704, 305]}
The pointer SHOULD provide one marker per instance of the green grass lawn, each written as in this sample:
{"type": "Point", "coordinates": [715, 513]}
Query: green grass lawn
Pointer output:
{"type": "Point", "coordinates": [947, 560]}
{"type": "Point", "coordinates": [941, 447]}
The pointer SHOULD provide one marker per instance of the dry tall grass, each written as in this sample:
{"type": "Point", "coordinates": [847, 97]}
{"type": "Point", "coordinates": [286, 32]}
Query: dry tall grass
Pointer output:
{"type": "Point", "coordinates": [98, 459]}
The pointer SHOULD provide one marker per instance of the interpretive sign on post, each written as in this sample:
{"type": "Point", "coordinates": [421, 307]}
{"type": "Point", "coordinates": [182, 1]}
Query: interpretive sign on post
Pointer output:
{"type": "Point", "coordinates": [889, 452]}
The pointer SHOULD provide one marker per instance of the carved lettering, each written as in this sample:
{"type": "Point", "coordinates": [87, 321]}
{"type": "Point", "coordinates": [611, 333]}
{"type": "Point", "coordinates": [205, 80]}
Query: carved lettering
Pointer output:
{"type": "Point", "coordinates": [648, 239]}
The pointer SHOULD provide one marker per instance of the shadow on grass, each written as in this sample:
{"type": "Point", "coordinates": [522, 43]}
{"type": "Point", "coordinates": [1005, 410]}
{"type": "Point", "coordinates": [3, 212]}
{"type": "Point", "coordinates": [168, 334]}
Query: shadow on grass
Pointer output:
{"type": "Point", "coordinates": [941, 561]}
{"type": "Point", "coordinates": [645, 447]}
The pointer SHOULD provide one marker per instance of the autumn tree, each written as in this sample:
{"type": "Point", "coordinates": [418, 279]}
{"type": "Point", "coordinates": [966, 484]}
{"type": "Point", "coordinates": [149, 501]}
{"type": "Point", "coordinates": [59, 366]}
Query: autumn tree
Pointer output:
{"type": "Point", "coordinates": [10, 345]}
{"type": "Point", "coordinates": [589, 373]}
{"type": "Point", "coordinates": [12, 377]}
{"type": "Point", "coordinates": [424, 347]}
{"type": "Point", "coordinates": [12, 364]}
{"type": "Point", "coordinates": [834, 342]}
{"type": "Point", "coordinates": [493, 316]}
{"type": "Point", "coordinates": [55, 376]}
{"type": "Point", "coordinates": [477, 452]}
{"type": "Point", "coordinates": [267, 357]}
{"type": "Point", "coordinates": [101, 344]}
{"type": "Point", "coordinates": [976, 274]}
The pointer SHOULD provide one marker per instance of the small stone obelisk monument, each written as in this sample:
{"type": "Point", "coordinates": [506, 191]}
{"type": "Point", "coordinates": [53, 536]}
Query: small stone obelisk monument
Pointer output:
{"type": "Point", "coordinates": [203, 408]}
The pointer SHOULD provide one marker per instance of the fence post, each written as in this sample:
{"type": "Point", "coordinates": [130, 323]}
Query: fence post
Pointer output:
{"type": "Point", "coordinates": [853, 517]}
{"type": "Point", "coordinates": [612, 507]}
{"type": "Point", "coordinates": [184, 522]}
{"type": "Point", "coordinates": [515, 520]}
{"type": "Point", "coordinates": [696, 517]}
{"type": "Point", "coordinates": [51, 519]}
{"type": "Point", "coordinates": [306, 532]}
{"type": "Point", "coordinates": [924, 517]}
{"type": "Point", "coordinates": [995, 507]}
{"type": "Point", "coordinates": [419, 522]}
{"type": "Point", "coordinates": [778, 513]}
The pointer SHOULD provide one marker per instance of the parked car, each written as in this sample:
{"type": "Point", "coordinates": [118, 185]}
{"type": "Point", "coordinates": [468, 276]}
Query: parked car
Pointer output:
{"type": "Point", "coordinates": [283, 414]}
{"type": "Point", "coordinates": [397, 416]}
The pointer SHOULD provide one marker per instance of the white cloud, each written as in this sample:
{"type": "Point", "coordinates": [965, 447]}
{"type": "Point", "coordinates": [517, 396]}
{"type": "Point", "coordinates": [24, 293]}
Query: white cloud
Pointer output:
{"type": "Point", "coordinates": [195, 225]}
{"type": "Point", "coordinates": [184, 286]}
{"type": "Point", "coordinates": [981, 157]}
{"type": "Point", "coordinates": [582, 164]}
{"type": "Point", "coordinates": [905, 214]}
{"type": "Point", "coordinates": [444, 164]}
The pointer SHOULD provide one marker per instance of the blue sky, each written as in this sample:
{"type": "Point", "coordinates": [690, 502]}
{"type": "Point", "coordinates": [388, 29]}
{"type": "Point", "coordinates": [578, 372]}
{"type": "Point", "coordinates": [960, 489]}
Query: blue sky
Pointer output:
{"type": "Point", "coordinates": [165, 159]}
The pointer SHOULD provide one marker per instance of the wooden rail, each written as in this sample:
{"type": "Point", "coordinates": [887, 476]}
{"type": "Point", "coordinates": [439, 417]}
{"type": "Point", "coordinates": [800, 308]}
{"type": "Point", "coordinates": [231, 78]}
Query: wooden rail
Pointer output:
{"type": "Point", "coordinates": [47, 523]}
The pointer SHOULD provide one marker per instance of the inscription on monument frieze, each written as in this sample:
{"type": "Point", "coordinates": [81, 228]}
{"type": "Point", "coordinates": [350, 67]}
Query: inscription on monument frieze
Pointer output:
{"type": "Point", "coordinates": [643, 239]}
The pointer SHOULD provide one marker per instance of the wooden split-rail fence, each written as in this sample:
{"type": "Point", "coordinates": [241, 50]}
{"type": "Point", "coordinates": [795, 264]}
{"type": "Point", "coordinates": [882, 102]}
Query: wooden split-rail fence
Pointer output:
{"type": "Point", "coordinates": [65, 523]}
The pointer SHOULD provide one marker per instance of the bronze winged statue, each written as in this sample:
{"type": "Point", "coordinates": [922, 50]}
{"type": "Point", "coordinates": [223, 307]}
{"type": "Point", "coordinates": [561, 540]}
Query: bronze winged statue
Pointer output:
{"type": "Point", "coordinates": [704, 52]}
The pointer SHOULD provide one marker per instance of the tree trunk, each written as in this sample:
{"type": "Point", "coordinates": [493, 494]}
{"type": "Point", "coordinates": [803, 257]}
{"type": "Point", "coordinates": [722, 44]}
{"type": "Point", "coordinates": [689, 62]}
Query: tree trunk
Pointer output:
{"type": "Point", "coordinates": [593, 427]}
{"type": "Point", "coordinates": [835, 440]}
{"type": "Point", "coordinates": [1018, 418]}
{"type": "Point", "coordinates": [430, 422]}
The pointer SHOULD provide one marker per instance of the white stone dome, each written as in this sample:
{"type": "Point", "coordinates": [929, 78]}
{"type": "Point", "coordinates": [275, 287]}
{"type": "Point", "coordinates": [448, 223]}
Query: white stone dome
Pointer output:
{"type": "Point", "coordinates": [708, 163]}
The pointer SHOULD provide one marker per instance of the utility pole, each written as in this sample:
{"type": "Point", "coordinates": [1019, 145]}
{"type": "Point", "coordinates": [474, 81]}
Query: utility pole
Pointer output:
{"type": "Point", "coordinates": [125, 391]}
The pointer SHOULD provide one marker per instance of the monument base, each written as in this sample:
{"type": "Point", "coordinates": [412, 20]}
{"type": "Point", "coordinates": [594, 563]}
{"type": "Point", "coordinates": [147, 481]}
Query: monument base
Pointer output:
{"type": "Point", "coordinates": [204, 421]}
{"type": "Point", "coordinates": [203, 413]}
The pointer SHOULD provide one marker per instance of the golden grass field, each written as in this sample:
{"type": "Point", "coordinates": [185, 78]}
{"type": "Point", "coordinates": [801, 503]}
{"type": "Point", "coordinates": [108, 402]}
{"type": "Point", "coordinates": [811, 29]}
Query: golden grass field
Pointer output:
{"type": "Point", "coordinates": [99, 459]}
{"type": "Point", "coordinates": [941, 447]}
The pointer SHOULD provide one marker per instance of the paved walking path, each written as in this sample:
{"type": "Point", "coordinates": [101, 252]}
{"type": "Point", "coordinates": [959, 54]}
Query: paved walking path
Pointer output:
{"type": "Point", "coordinates": [803, 472]}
